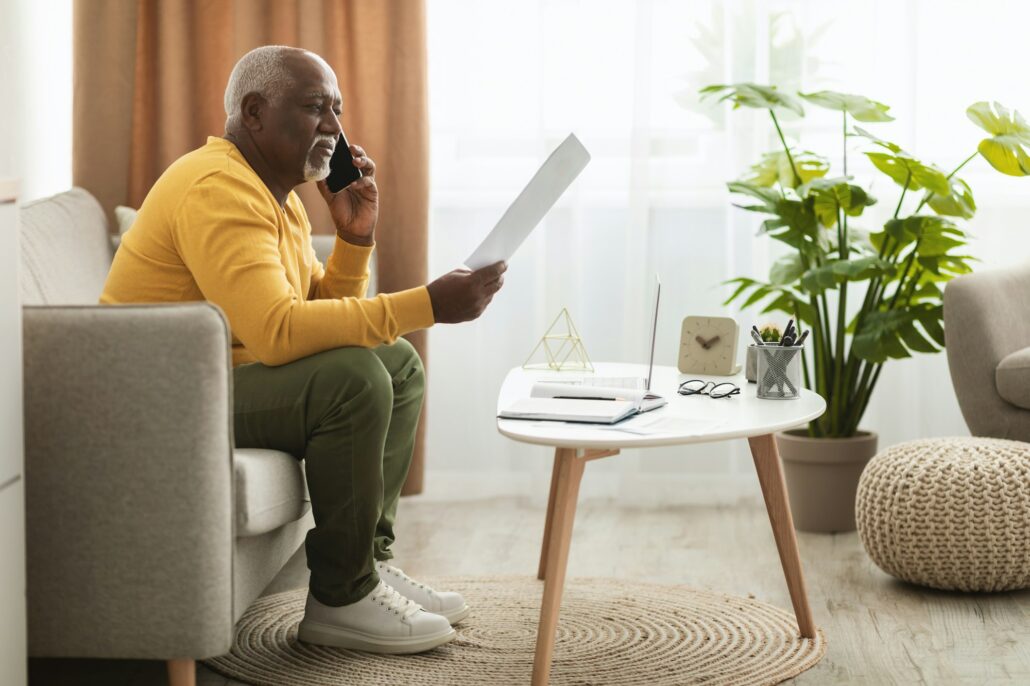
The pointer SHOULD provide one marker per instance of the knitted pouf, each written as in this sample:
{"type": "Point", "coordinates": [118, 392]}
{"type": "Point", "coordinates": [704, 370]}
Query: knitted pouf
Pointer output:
{"type": "Point", "coordinates": [949, 513]}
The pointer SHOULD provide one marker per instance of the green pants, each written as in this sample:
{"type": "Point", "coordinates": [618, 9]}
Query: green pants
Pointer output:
{"type": "Point", "coordinates": [351, 415]}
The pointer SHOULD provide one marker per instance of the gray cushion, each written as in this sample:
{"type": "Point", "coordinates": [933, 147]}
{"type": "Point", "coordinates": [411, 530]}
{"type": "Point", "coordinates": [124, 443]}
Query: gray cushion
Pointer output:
{"type": "Point", "coordinates": [65, 250]}
{"type": "Point", "coordinates": [270, 490]}
{"type": "Point", "coordinates": [1013, 378]}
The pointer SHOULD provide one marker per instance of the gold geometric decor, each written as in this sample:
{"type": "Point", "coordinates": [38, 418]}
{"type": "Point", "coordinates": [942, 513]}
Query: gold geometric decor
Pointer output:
{"type": "Point", "coordinates": [562, 346]}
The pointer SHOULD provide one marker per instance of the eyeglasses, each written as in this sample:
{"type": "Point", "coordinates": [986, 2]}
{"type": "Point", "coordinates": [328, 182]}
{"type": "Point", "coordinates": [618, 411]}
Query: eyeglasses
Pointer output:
{"type": "Point", "coordinates": [709, 388]}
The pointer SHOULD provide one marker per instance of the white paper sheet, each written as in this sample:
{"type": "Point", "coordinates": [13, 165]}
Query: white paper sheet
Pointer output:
{"type": "Point", "coordinates": [535, 200]}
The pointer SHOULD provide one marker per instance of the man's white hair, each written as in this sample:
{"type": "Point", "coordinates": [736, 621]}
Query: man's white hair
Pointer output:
{"type": "Point", "coordinates": [262, 70]}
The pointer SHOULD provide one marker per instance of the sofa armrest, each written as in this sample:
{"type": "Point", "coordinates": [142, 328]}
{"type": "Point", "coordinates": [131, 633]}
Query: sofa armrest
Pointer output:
{"type": "Point", "coordinates": [129, 478]}
{"type": "Point", "coordinates": [987, 318]}
{"type": "Point", "coordinates": [1012, 378]}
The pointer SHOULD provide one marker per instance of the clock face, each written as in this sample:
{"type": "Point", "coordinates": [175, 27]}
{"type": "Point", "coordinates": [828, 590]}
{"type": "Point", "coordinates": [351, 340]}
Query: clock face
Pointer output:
{"type": "Point", "coordinates": [708, 345]}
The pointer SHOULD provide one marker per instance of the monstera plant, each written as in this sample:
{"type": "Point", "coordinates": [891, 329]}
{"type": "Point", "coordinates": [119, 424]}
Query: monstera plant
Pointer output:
{"type": "Point", "coordinates": [868, 295]}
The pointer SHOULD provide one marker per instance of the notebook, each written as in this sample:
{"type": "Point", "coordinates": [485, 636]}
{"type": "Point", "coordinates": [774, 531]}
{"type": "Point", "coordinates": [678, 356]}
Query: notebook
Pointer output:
{"type": "Point", "coordinates": [570, 410]}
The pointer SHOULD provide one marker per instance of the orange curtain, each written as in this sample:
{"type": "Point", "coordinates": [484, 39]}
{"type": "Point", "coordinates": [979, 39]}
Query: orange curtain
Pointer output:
{"type": "Point", "coordinates": [150, 76]}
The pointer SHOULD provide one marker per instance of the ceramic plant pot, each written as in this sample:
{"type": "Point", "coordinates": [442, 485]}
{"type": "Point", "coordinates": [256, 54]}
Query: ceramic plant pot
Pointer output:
{"type": "Point", "coordinates": [822, 477]}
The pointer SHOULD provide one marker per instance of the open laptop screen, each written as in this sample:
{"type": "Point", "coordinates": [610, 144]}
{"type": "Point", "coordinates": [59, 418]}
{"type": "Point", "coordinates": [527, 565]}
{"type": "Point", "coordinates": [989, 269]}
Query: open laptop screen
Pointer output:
{"type": "Point", "coordinates": [654, 328]}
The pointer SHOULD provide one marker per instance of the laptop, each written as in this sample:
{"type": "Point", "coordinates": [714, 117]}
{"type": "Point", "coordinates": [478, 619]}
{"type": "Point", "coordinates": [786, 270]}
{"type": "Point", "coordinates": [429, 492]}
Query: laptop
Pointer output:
{"type": "Point", "coordinates": [650, 401]}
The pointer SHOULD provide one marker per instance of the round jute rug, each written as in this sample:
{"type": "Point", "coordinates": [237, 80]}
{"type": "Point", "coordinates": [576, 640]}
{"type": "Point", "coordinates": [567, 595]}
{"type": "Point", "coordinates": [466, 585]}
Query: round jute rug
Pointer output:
{"type": "Point", "coordinates": [610, 632]}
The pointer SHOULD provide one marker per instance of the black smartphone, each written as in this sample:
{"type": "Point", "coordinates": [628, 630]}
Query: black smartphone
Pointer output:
{"type": "Point", "coordinates": [342, 171]}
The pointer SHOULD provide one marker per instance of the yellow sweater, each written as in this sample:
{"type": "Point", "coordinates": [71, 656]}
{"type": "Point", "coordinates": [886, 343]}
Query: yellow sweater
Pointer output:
{"type": "Point", "coordinates": [210, 230]}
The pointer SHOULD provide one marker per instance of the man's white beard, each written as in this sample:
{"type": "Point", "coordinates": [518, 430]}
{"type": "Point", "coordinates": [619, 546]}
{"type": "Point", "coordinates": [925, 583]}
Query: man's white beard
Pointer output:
{"type": "Point", "coordinates": [313, 173]}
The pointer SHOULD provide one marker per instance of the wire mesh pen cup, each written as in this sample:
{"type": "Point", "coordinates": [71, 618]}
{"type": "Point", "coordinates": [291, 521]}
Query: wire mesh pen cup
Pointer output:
{"type": "Point", "coordinates": [779, 372]}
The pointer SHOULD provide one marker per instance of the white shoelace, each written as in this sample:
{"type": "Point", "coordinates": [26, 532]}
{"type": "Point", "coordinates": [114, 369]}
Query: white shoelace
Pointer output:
{"type": "Point", "coordinates": [399, 573]}
{"type": "Point", "coordinates": [385, 595]}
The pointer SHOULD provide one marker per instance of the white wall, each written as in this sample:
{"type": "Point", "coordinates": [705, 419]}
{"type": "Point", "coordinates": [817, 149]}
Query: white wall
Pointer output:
{"type": "Point", "coordinates": [35, 150]}
{"type": "Point", "coordinates": [13, 666]}
{"type": "Point", "coordinates": [39, 125]}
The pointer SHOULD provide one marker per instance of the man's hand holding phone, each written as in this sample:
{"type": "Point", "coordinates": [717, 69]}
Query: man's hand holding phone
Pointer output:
{"type": "Point", "coordinates": [462, 295]}
{"type": "Point", "coordinates": [355, 206]}
{"type": "Point", "coordinates": [353, 198]}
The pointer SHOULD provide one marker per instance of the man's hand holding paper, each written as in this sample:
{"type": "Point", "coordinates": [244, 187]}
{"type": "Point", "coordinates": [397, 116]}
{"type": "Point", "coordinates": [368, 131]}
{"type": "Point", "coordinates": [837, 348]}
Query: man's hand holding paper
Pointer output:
{"type": "Point", "coordinates": [462, 295]}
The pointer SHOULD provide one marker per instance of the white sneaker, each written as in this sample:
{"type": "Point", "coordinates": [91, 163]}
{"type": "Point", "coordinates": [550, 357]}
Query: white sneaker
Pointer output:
{"type": "Point", "coordinates": [449, 604]}
{"type": "Point", "coordinates": [384, 621]}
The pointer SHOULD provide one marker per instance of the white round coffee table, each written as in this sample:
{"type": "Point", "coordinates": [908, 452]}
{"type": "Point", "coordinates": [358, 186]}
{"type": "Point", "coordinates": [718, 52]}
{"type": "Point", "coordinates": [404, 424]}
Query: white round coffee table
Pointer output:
{"type": "Point", "coordinates": [686, 419]}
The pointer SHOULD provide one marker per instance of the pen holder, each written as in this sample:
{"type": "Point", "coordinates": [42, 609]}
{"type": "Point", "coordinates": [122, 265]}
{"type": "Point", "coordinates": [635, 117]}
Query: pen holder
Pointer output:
{"type": "Point", "coordinates": [779, 372]}
{"type": "Point", "coordinates": [751, 363]}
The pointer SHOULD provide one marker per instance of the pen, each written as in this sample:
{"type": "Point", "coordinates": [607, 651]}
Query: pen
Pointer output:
{"type": "Point", "coordinates": [804, 335]}
{"type": "Point", "coordinates": [576, 397]}
{"type": "Point", "coordinates": [756, 336]}
{"type": "Point", "coordinates": [787, 330]}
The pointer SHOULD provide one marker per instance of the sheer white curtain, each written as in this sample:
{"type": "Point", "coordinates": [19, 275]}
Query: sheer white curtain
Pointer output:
{"type": "Point", "coordinates": [509, 79]}
{"type": "Point", "coordinates": [36, 92]}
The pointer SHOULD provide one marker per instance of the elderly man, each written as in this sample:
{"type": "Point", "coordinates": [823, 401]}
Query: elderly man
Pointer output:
{"type": "Point", "coordinates": [319, 370]}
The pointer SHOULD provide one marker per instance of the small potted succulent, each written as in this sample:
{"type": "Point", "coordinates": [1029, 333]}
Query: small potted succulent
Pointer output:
{"type": "Point", "coordinates": [867, 295]}
{"type": "Point", "coordinates": [769, 333]}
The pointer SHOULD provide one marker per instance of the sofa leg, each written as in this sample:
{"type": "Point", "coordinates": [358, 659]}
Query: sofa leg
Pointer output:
{"type": "Point", "coordinates": [182, 673]}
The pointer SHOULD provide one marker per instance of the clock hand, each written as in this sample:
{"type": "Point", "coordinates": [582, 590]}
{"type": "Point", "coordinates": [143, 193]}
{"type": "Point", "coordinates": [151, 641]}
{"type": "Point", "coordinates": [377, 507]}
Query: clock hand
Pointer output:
{"type": "Point", "coordinates": [701, 341]}
{"type": "Point", "coordinates": [713, 340]}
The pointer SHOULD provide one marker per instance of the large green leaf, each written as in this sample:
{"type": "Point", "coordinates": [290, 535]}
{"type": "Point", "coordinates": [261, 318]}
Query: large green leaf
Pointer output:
{"type": "Point", "coordinates": [768, 196]}
{"type": "Point", "coordinates": [753, 95]}
{"type": "Point", "coordinates": [786, 270]}
{"type": "Point", "coordinates": [862, 133]}
{"type": "Point", "coordinates": [958, 203]}
{"type": "Point", "coordinates": [941, 268]}
{"type": "Point", "coordinates": [1010, 134]}
{"type": "Point", "coordinates": [774, 167]}
{"type": "Point", "coordinates": [792, 221]}
{"type": "Point", "coordinates": [921, 227]}
{"type": "Point", "coordinates": [829, 195]}
{"type": "Point", "coordinates": [858, 106]}
{"type": "Point", "coordinates": [893, 333]}
{"type": "Point", "coordinates": [927, 290]}
{"type": "Point", "coordinates": [904, 168]}
{"type": "Point", "coordinates": [831, 274]}
{"type": "Point", "coordinates": [784, 299]}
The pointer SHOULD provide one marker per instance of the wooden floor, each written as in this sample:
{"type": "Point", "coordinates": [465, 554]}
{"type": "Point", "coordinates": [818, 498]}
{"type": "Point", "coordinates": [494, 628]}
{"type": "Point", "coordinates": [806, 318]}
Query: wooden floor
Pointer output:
{"type": "Point", "coordinates": [879, 631]}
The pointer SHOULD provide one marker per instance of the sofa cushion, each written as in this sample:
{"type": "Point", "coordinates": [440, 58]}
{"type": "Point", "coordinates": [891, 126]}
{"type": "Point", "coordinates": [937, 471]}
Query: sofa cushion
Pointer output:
{"type": "Point", "coordinates": [1012, 378]}
{"type": "Point", "coordinates": [270, 490]}
{"type": "Point", "coordinates": [65, 250]}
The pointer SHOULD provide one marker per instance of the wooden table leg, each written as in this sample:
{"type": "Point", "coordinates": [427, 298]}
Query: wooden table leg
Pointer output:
{"type": "Point", "coordinates": [569, 472]}
{"type": "Point", "coordinates": [182, 672]}
{"type": "Point", "coordinates": [770, 476]}
{"type": "Point", "coordinates": [542, 568]}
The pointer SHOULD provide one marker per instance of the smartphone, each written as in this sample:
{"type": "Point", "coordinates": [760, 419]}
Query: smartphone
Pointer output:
{"type": "Point", "coordinates": [342, 171]}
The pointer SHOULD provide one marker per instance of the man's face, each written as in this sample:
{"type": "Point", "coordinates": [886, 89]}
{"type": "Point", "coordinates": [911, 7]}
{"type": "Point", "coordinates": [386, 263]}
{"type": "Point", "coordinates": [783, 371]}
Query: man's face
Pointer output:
{"type": "Point", "coordinates": [301, 128]}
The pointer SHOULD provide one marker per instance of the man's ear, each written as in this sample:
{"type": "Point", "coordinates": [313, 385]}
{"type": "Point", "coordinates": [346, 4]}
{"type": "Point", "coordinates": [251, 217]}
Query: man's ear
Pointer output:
{"type": "Point", "coordinates": [253, 108]}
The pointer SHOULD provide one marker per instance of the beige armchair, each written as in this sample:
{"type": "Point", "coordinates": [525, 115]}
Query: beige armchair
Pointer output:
{"type": "Point", "coordinates": [148, 534]}
{"type": "Point", "coordinates": [987, 336]}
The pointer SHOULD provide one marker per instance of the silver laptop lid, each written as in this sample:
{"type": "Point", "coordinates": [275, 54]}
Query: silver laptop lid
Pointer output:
{"type": "Point", "coordinates": [654, 328]}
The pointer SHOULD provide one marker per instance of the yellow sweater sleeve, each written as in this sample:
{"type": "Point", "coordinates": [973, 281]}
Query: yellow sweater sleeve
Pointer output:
{"type": "Point", "coordinates": [346, 272]}
{"type": "Point", "coordinates": [232, 250]}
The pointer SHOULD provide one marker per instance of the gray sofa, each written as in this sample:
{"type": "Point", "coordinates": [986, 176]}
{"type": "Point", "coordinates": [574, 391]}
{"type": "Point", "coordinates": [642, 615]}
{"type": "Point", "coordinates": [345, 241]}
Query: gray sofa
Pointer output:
{"type": "Point", "coordinates": [148, 533]}
{"type": "Point", "coordinates": [987, 336]}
